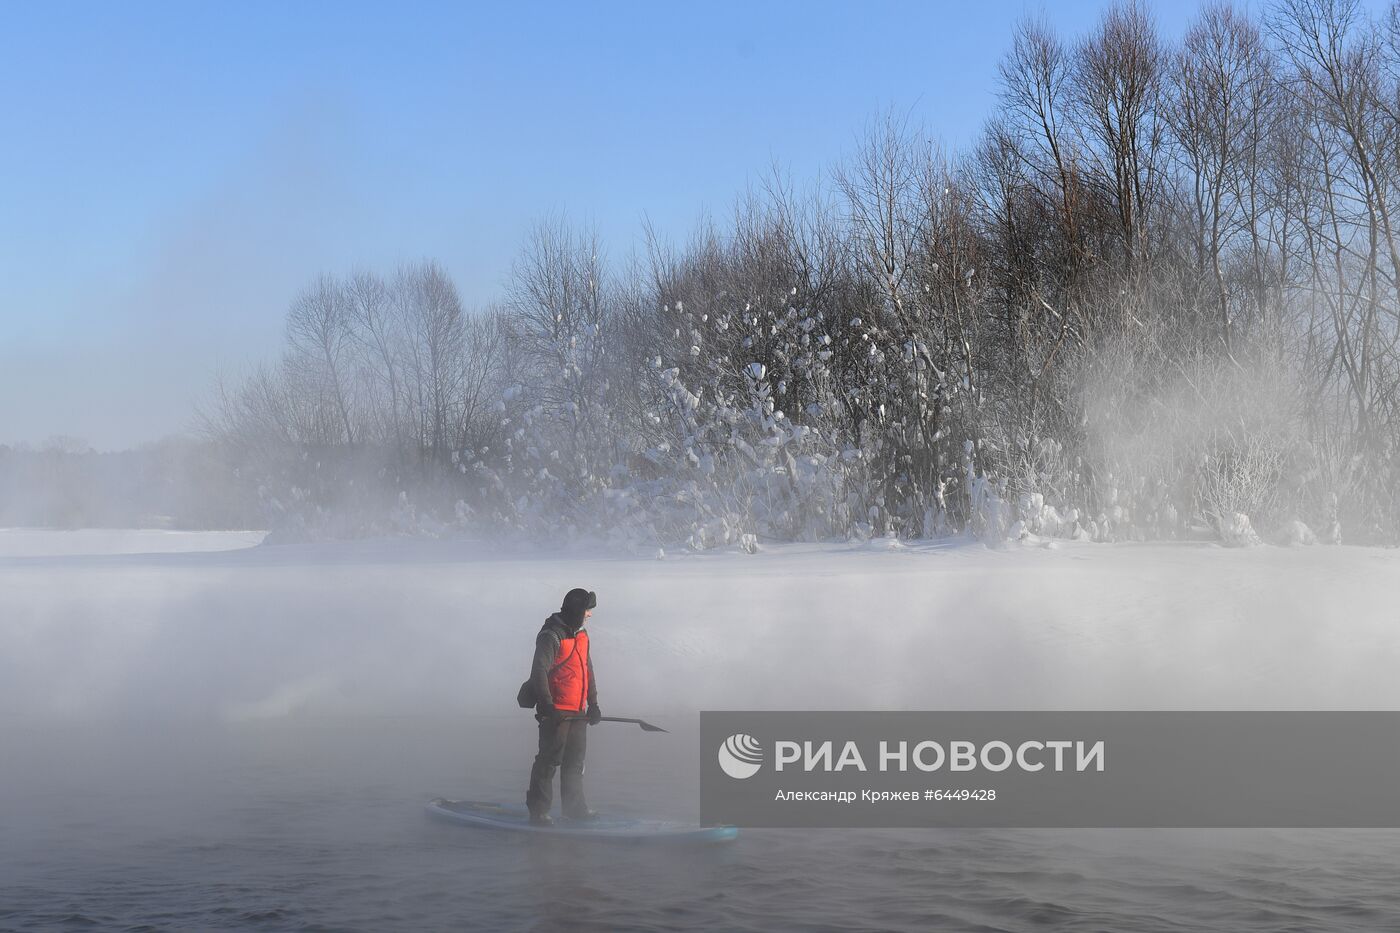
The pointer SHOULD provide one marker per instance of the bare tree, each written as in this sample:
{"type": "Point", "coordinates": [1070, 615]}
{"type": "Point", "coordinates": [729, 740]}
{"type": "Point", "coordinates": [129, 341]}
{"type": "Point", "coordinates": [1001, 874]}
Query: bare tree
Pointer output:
{"type": "Point", "coordinates": [428, 303]}
{"type": "Point", "coordinates": [1221, 86]}
{"type": "Point", "coordinates": [379, 334]}
{"type": "Point", "coordinates": [1117, 92]}
{"type": "Point", "coordinates": [318, 330]}
{"type": "Point", "coordinates": [561, 312]}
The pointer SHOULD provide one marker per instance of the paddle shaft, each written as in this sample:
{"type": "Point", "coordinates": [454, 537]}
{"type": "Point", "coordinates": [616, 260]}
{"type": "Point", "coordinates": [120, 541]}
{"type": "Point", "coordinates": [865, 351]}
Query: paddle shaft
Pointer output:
{"type": "Point", "coordinates": [646, 726]}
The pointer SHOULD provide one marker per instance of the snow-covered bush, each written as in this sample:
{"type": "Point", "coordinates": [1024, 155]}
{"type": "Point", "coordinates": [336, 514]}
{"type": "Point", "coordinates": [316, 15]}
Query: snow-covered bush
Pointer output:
{"type": "Point", "coordinates": [1240, 481]}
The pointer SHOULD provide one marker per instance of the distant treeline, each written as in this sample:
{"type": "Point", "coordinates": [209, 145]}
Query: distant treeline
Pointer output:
{"type": "Point", "coordinates": [176, 483]}
{"type": "Point", "coordinates": [1159, 296]}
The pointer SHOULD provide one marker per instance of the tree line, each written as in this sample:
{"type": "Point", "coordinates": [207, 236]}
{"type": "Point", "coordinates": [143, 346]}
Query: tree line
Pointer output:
{"type": "Point", "coordinates": [1158, 297]}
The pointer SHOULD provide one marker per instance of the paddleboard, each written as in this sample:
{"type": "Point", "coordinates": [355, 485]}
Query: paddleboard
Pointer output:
{"type": "Point", "coordinates": [515, 818]}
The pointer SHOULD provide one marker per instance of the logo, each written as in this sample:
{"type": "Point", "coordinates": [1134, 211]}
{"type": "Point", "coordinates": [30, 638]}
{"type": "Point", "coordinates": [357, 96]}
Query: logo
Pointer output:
{"type": "Point", "coordinates": [740, 756]}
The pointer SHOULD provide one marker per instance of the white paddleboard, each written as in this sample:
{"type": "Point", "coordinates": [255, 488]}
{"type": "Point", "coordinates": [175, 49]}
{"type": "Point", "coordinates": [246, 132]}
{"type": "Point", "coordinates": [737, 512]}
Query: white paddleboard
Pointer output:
{"type": "Point", "coordinates": [515, 818]}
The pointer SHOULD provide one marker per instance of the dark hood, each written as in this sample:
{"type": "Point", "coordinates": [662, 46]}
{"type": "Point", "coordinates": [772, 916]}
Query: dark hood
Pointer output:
{"type": "Point", "coordinates": [559, 621]}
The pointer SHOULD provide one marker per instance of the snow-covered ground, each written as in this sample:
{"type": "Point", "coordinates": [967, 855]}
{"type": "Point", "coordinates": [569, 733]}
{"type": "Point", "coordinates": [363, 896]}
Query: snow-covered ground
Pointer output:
{"type": "Point", "coordinates": [44, 542]}
{"type": "Point", "coordinates": [397, 628]}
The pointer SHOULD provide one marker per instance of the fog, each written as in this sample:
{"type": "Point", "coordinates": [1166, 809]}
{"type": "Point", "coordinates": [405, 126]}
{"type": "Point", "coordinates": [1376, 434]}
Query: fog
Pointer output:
{"type": "Point", "coordinates": [408, 629]}
{"type": "Point", "coordinates": [247, 736]}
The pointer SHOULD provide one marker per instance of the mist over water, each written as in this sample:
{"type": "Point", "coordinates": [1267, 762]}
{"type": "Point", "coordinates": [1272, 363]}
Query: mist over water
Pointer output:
{"type": "Point", "coordinates": [246, 738]}
{"type": "Point", "coordinates": [406, 629]}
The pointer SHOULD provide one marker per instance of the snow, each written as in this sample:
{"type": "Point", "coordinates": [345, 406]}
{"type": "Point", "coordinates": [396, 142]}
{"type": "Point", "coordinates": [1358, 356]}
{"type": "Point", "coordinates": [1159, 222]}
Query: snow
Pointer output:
{"type": "Point", "coordinates": [1237, 531]}
{"type": "Point", "coordinates": [413, 627]}
{"type": "Point", "coordinates": [44, 542]}
{"type": "Point", "coordinates": [1297, 534]}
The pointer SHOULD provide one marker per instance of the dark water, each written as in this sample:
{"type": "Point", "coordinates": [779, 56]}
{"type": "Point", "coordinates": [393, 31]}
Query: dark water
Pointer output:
{"type": "Point", "coordinates": [319, 826]}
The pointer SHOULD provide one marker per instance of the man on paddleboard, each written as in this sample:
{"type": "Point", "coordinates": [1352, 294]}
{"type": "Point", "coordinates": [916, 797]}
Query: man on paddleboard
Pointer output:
{"type": "Point", "coordinates": [566, 704]}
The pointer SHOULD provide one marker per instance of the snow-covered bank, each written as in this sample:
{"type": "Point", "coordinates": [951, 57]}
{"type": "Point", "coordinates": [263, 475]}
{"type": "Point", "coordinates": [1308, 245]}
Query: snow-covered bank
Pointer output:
{"type": "Point", "coordinates": [360, 630]}
{"type": "Point", "coordinates": [48, 542]}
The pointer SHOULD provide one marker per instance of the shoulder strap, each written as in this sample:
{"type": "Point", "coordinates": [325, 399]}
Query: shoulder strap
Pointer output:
{"type": "Point", "coordinates": [573, 646]}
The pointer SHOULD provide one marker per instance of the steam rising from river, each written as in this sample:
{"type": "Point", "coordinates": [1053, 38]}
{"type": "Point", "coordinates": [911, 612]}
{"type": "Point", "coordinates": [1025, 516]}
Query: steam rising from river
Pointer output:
{"type": "Point", "coordinates": [223, 730]}
{"type": "Point", "coordinates": [406, 629]}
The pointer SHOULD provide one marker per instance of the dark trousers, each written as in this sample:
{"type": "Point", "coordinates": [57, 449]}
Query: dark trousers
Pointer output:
{"type": "Point", "coordinates": [562, 746]}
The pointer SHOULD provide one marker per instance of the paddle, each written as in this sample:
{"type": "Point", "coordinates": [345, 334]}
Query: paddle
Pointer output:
{"type": "Point", "coordinates": [646, 726]}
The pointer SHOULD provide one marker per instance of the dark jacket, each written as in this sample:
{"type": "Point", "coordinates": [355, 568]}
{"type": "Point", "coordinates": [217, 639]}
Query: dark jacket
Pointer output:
{"type": "Point", "coordinates": [555, 629]}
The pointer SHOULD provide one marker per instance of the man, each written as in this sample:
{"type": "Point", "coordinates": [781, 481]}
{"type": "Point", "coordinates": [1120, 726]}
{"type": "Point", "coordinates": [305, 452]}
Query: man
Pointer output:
{"type": "Point", "coordinates": [562, 682]}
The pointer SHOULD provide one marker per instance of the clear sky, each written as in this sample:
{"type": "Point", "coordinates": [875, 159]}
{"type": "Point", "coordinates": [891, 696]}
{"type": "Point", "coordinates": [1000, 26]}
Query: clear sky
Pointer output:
{"type": "Point", "coordinates": [170, 175]}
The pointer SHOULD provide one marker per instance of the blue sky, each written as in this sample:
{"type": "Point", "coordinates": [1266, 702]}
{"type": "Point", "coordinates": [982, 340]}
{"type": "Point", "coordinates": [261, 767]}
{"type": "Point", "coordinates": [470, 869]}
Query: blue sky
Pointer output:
{"type": "Point", "coordinates": [171, 174]}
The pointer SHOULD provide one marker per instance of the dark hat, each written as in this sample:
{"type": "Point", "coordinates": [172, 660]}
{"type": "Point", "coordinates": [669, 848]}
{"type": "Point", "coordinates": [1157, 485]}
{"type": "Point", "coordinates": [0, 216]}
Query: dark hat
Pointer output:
{"type": "Point", "coordinates": [576, 603]}
{"type": "Point", "coordinates": [577, 600]}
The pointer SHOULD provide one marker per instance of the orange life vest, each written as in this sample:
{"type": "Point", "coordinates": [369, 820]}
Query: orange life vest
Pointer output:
{"type": "Point", "coordinates": [568, 678]}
